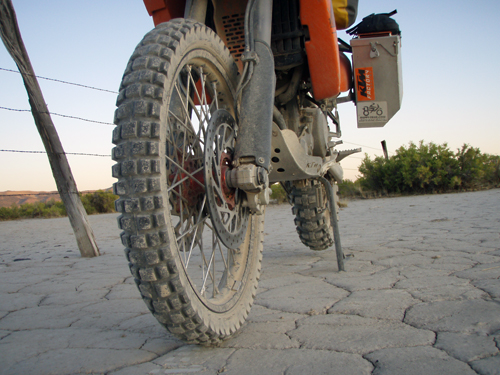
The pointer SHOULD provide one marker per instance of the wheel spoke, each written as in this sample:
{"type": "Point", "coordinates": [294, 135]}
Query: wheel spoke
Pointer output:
{"type": "Point", "coordinates": [219, 245]}
{"type": "Point", "coordinates": [188, 231]}
{"type": "Point", "coordinates": [208, 265]}
{"type": "Point", "coordinates": [203, 99]}
{"type": "Point", "coordinates": [172, 187]}
{"type": "Point", "coordinates": [185, 160]}
{"type": "Point", "coordinates": [185, 106]}
{"type": "Point", "coordinates": [215, 99]}
{"type": "Point", "coordinates": [198, 228]}
{"type": "Point", "coordinates": [186, 172]}
{"type": "Point", "coordinates": [199, 222]}
{"type": "Point", "coordinates": [190, 129]}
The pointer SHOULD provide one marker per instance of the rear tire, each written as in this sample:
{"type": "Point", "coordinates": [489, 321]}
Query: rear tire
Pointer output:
{"type": "Point", "coordinates": [312, 214]}
{"type": "Point", "coordinates": [201, 291]}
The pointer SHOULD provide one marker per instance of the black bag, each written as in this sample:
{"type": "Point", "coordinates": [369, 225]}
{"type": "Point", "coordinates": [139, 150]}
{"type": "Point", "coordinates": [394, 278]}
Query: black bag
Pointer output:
{"type": "Point", "coordinates": [375, 23]}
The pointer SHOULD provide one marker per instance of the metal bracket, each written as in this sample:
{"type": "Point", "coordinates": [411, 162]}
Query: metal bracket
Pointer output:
{"type": "Point", "coordinates": [254, 181]}
{"type": "Point", "coordinates": [375, 53]}
{"type": "Point", "coordinates": [250, 56]}
{"type": "Point", "coordinates": [345, 99]}
{"type": "Point", "coordinates": [289, 160]}
{"type": "Point", "coordinates": [256, 202]}
{"type": "Point", "coordinates": [248, 177]}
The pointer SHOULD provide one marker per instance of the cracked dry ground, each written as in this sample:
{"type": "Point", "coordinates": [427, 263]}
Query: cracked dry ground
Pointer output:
{"type": "Point", "coordinates": [421, 295]}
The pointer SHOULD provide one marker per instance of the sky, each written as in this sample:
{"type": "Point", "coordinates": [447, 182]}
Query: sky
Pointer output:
{"type": "Point", "coordinates": [450, 83]}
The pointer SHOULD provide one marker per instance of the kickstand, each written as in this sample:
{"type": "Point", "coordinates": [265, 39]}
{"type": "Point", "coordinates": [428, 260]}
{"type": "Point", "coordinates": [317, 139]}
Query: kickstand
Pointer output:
{"type": "Point", "coordinates": [334, 221]}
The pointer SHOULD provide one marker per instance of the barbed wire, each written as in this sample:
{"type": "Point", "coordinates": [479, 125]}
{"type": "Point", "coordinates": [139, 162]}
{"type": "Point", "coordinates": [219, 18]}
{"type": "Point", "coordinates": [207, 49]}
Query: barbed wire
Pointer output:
{"type": "Point", "coordinates": [48, 193]}
{"type": "Point", "coordinates": [56, 153]}
{"type": "Point", "coordinates": [81, 119]}
{"type": "Point", "coordinates": [60, 115]}
{"type": "Point", "coordinates": [34, 194]}
{"type": "Point", "coordinates": [75, 118]}
{"type": "Point", "coordinates": [357, 144]}
{"type": "Point", "coordinates": [60, 81]}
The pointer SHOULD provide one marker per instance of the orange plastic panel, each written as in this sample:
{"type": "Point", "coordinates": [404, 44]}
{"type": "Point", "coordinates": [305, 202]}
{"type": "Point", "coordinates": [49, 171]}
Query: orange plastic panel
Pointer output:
{"type": "Point", "coordinates": [165, 10]}
{"type": "Point", "coordinates": [322, 48]}
{"type": "Point", "coordinates": [346, 82]}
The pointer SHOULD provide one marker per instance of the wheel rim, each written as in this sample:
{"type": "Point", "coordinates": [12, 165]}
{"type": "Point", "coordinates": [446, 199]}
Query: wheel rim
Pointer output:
{"type": "Point", "coordinates": [213, 270]}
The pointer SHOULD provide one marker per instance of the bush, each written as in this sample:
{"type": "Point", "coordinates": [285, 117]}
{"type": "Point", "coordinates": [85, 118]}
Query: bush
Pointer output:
{"type": "Point", "coordinates": [492, 169]}
{"type": "Point", "coordinates": [97, 202]}
{"type": "Point", "coordinates": [278, 193]}
{"type": "Point", "coordinates": [9, 213]}
{"type": "Point", "coordinates": [430, 168]}
{"type": "Point", "coordinates": [350, 189]}
{"type": "Point", "coordinates": [347, 189]}
{"type": "Point", "coordinates": [100, 202]}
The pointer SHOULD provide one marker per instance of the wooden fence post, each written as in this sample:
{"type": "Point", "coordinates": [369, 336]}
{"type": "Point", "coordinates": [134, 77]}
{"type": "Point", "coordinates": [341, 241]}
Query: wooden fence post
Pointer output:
{"type": "Point", "coordinates": [384, 149]}
{"type": "Point", "coordinates": [11, 37]}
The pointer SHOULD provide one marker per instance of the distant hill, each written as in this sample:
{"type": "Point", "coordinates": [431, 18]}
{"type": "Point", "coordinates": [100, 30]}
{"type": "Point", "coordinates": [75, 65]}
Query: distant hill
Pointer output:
{"type": "Point", "coordinates": [8, 198]}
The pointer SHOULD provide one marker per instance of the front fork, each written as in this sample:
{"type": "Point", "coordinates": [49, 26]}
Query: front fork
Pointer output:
{"type": "Point", "coordinates": [252, 157]}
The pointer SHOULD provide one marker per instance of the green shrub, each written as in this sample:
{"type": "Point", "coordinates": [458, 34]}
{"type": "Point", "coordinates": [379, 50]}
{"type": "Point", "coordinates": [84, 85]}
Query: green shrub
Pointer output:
{"type": "Point", "coordinates": [97, 202]}
{"type": "Point", "coordinates": [278, 193]}
{"type": "Point", "coordinates": [492, 169]}
{"type": "Point", "coordinates": [430, 168]}
{"type": "Point", "coordinates": [350, 189]}
{"type": "Point", "coordinates": [9, 213]}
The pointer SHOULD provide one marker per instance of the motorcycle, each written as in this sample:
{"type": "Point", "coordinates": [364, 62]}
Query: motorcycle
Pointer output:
{"type": "Point", "coordinates": [219, 101]}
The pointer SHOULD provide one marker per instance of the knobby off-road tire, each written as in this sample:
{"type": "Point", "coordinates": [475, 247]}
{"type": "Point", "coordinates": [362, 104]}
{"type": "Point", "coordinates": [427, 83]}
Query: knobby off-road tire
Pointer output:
{"type": "Point", "coordinates": [312, 214]}
{"type": "Point", "coordinates": [201, 291]}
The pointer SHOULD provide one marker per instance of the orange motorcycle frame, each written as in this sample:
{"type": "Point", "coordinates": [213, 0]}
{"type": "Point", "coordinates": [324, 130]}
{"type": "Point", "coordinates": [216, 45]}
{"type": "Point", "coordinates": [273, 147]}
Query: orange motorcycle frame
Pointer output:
{"type": "Point", "coordinates": [330, 70]}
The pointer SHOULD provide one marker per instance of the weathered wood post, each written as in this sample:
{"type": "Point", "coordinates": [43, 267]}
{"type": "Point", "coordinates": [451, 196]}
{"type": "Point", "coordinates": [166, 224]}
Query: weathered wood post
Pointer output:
{"type": "Point", "coordinates": [11, 37]}
{"type": "Point", "coordinates": [384, 149]}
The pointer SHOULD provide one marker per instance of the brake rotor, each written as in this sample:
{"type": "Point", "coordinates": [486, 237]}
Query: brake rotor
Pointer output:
{"type": "Point", "coordinates": [228, 216]}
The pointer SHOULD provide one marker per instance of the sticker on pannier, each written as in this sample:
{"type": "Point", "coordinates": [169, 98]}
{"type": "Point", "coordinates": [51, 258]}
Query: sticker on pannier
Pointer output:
{"type": "Point", "coordinates": [365, 84]}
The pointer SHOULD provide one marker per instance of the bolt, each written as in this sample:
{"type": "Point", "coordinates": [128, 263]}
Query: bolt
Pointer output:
{"type": "Point", "coordinates": [261, 160]}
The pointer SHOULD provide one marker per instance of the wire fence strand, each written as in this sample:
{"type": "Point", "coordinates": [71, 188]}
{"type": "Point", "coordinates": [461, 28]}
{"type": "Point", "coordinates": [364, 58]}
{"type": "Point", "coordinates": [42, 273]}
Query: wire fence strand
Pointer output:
{"type": "Point", "coordinates": [60, 81]}
{"type": "Point", "coordinates": [60, 115]}
{"type": "Point", "coordinates": [357, 144]}
{"type": "Point", "coordinates": [81, 119]}
{"type": "Point", "coordinates": [57, 153]}
{"type": "Point", "coordinates": [38, 194]}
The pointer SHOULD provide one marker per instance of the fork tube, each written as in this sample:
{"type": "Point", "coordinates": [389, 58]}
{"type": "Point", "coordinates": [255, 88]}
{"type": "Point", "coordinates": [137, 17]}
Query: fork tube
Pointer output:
{"type": "Point", "coordinates": [196, 10]}
{"type": "Point", "coordinates": [253, 143]}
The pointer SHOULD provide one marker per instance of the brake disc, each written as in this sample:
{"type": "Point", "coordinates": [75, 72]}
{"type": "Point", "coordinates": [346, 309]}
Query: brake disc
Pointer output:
{"type": "Point", "coordinates": [225, 204]}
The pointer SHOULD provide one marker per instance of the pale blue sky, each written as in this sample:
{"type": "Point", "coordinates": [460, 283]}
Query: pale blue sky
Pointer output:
{"type": "Point", "coordinates": [450, 62]}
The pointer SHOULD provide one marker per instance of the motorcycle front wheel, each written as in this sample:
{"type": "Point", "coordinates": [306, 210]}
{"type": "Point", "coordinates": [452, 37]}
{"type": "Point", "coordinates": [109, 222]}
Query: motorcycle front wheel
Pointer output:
{"type": "Point", "coordinates": [200, 290]}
